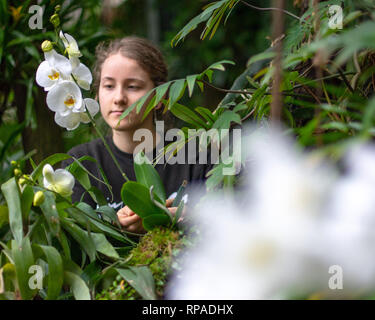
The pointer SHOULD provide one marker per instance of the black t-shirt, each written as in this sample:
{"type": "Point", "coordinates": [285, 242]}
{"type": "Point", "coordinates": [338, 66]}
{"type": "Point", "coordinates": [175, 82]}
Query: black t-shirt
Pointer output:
{"type": "Point", "coordinates": [172, 175]}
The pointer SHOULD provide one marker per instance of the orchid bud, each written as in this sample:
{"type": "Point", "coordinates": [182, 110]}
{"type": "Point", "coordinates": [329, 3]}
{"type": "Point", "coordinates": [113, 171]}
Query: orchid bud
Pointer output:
{"type": "Point", "coordinates": [57, 8]}
{"type": "Point", "coordinates": [55, 20]}
{"type": "Point", "coordinates": [22, 181]}
{"type": "Point", "coordinates": [38, 198]}
{"type": "Point", "coordinates": [13, 163]}
{"type": "Point", "coordinates": [47, 46]}
{"type": "Point", "coordinates": [17, 172]}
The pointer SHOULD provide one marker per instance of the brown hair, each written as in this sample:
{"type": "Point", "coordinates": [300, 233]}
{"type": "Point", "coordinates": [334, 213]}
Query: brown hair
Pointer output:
{"type": "Point", "coordinates": [141, 50]}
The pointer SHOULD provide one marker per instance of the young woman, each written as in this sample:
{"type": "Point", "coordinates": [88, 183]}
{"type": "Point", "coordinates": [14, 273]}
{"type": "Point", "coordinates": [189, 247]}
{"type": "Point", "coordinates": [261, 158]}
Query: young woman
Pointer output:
{"type": "Point", "coordinates": [126, 69]}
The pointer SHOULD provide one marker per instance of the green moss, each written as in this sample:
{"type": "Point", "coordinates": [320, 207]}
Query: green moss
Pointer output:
{"type": "Point", "coordinates": [158, 250]}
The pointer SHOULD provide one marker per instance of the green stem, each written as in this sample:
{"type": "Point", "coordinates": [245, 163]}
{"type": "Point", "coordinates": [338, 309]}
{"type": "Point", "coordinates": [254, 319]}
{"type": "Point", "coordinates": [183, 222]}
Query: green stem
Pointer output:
{"type": "Point", "coordinates": [107, 146]}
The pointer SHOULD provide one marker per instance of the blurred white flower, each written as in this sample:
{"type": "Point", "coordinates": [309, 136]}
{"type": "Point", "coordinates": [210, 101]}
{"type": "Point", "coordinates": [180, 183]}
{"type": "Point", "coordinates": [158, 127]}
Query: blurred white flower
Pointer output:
{"type": "Point", "coordinates": [72, 120]}
{"type": "Point", "coordinates": [60, 181]}
{"type": "Point", "coordinates": [300, 219]}
{"type": "Point", "coordinates": [53, 70]}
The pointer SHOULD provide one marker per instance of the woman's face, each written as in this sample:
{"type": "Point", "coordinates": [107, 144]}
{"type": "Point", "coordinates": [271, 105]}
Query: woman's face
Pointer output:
{"type": "Point", "coordinates": [122, 82]}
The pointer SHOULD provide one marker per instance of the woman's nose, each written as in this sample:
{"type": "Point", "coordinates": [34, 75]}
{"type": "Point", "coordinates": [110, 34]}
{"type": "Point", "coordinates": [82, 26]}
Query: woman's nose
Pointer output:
{"type": "Point", "coordinates": [120, 96]}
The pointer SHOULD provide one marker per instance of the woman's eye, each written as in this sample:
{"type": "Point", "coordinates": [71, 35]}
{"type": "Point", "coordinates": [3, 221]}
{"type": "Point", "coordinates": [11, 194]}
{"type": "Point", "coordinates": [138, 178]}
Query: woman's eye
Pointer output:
{"type": "Point", "coordinates": [133, 87]}
{"type": "Point", "coordinates": [108, 86]}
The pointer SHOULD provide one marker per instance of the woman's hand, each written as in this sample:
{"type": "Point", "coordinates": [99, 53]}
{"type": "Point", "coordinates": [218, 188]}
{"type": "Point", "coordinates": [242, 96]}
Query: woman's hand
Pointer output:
{"type": "Point", "coordinates": [133, 222]}
{"type": "Point", "coordinates": [130, 220]}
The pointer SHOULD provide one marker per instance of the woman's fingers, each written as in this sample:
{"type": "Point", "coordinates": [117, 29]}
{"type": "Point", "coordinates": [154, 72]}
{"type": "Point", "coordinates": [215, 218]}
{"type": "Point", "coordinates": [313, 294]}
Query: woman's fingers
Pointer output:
{"type": "Point", "coordinates": [169, 202]}
{"type": "Point", "coordinates": [127, 217]}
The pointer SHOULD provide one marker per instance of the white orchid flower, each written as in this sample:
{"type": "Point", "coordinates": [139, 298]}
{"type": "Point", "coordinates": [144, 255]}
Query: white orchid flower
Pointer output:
{"type": "Point", "coordinates": [60, 181]}
{"type": "Point", "coordinates": [65, 98]}
{"type": "Point", "coordinates": [72, 120]}
{"type": "Point", "coordinates": [71, 47]}
{"type": "Point", "coordinates": [53, 70]}
{"type": "Point", "coordinates": [83, 76]}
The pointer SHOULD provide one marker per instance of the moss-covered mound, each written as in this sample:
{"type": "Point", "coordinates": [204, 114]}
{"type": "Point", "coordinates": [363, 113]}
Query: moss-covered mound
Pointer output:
{"type": "Point", "coordinates": [158, 250]}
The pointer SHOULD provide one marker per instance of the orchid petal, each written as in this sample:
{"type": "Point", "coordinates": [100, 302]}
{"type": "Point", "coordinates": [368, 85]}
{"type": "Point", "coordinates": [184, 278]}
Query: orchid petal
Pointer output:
{"type": "Point", "coordinates": [48, 173]}
{"type": "Point", "coordinates": [92, 106]}
{"type": "Point", "coordinates": [64, 91]}
{"type": "Point", "coordinates": [64, 182]}
{"type": "Point", "coordinates": [70, 121]}
{"type": "Point", "coordinates": [46, 76]}
{"type": "Point", "coordinates": [83, 76]}
{"type": "Point", "coordinates": [58, 61]}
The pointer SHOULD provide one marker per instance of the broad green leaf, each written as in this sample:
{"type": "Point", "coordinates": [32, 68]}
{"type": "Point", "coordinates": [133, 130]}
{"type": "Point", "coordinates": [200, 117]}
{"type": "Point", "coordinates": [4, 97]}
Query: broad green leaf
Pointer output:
{"type": "Point", "coordinates": [141, 279]}
{"type": "Point", "coordinates": [137, 197]}
{"type": "Point", "coordinates": [103, 246]}
{"type": "Point", "coordinates": [50, 211]}
{"type": "Point", "coordinates": [147, 175]}
{"type": "Point", "coordinates": [4, 215]}
{"type": "Point", "coordinates": [154, 220]}
{"type": "Point", "coordinates": [81, 236]}
{"type": "Point", "coordinates": [77, 285]}
{"type": "Point", "coordinates": [12, 197]}
{"type": "Point", "coordinates": [27, 197]}
{"type": "Point", "coordinates": [82, 175]}
{"type": "Point", "coordinates": [64, 244]}
{"type": "Point", "coordinates": [109, 212]}
{"type": "Point", "coordinates": [55, 272]}
{"type": "Point", "coordinates": [86, 216]}
{"type": "Point", "coordinates": [23, 259]}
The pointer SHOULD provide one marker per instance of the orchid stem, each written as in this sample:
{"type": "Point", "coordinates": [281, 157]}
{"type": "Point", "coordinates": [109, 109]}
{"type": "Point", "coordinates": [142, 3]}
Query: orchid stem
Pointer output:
{"type": "Point", "coordinates": [107, 146]}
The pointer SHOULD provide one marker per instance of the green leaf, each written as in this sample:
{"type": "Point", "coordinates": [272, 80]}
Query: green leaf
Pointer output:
{"type": "Point", "coordinates": [82, 175]}
{"type": "Point", "coordinates": [141, 279]}
{"type": "Point", "coordinates": [109, 212]}
{"type": "Point", "coordinates": [50, 211]}
{"type": "Point", "coordinates": [261, 56]}
{"type": "Point", "coordinates": [103, 246]}
{"type": "Point", "coordinates": [137, 197]}
{"type": "Point", "coordinates": [147, 175]}
{"type": "Point", "coordinates": [27, 197]}
{"type": "Point", "coordinates": [12, 197]}
{"type": "Point", "coordinates": [225, 119]}
{"type": "Point", "coordinates": [81, 236]}
{"type": "Point", "coordinates": [206, 114]}
{"type": "Point", "coordinates": [4, 215]}
{"type": "Point", "coordinates": [176, 91]}
{"type": "Point", "coordinates": [154, 220]}
{"type": "Point", "coordinates": [187, 115]}
{"type": "Point", "coordinates": [190, 83]}
{"type": "Point", "coordinates": [55, 272]}
{"type": "Point", "coordinates": [86, 216]}
{"type": "Point", "coordinates": [23, 260]}
{"type": "Point", "coordinates": [78, 286]}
